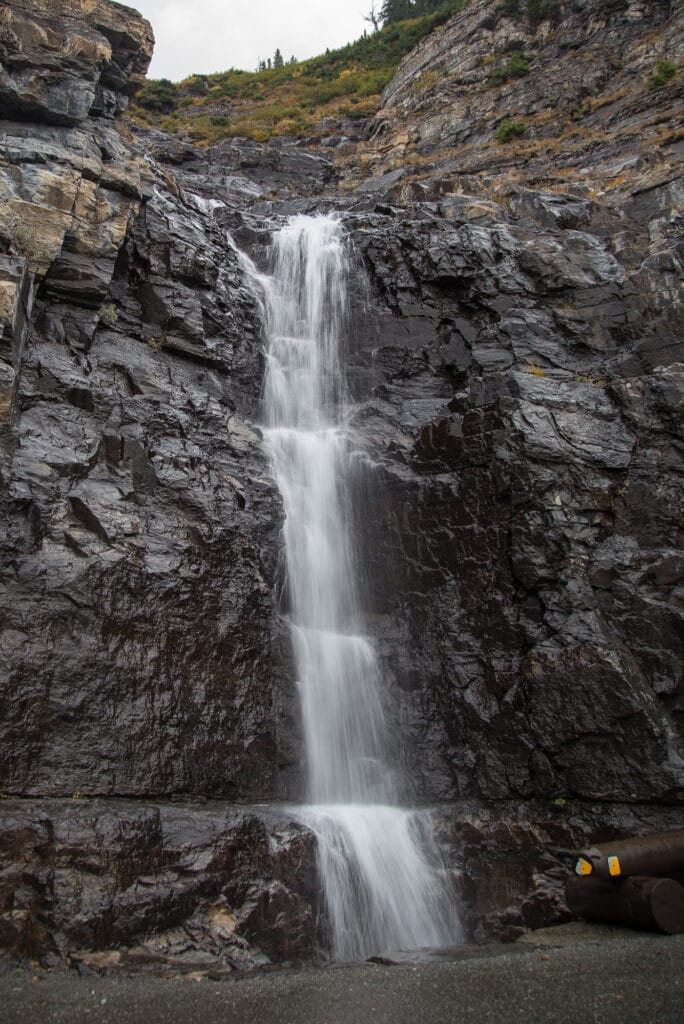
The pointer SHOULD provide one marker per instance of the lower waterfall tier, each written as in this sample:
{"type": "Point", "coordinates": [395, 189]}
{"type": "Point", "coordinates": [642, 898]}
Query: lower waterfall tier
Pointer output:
{"type": "Point", "coordinates": [386, 882]}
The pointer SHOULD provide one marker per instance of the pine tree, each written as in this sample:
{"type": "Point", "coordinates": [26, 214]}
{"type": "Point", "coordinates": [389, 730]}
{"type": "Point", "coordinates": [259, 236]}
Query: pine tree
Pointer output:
{"type": "Point", "coordinates": [396, 10]}
{"type": "Point", "coordinates": [278, 59]}
{"type": "Point", "coordinates": [392, 11]}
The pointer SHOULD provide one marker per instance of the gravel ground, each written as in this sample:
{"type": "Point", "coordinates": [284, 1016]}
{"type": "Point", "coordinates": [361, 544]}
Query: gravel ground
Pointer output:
{"type": "Point", "coordinates": [626, 978]}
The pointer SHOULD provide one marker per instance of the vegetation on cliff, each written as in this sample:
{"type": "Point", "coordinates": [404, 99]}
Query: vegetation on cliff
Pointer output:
{"type": "Point", "coordinates": [294, 98]}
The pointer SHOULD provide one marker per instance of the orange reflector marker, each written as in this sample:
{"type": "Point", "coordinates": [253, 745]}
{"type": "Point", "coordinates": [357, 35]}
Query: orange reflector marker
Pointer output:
{"type": "Point", "coordinates": [583, 867]}
{"type": "Point", "coordinates": [614, 866]}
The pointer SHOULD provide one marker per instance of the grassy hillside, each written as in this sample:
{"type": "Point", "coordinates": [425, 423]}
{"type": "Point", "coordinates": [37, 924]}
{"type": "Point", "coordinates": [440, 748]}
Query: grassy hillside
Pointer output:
{"type": "Point", "coordinates": [291, 100]}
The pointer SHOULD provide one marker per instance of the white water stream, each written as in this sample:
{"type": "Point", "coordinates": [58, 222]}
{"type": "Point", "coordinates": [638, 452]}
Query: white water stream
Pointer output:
{"type": "Point", "coordinates": [379, 866]}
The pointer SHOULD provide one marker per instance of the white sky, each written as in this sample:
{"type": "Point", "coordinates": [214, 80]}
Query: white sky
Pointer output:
{"type": "Point", "coordinates": [214, 35]}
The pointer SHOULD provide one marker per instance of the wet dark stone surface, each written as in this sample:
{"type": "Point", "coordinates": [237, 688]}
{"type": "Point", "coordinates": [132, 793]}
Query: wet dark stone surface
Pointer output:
{"type": "Point", "coordinates": [513, 527]}
{"type": "Point", "coordinates": [65, 59]}
{"type": "Point", "coordinates": [171, 887]}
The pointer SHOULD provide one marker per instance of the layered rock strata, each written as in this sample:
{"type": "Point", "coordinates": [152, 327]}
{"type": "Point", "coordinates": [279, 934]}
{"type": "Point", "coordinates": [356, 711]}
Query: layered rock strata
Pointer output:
{"type": "Point", "coordinates": [580, 83]}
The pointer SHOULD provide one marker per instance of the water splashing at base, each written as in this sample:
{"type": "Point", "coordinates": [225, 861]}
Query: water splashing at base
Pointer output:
{"type": "Point", "coordinates": [382, 879]}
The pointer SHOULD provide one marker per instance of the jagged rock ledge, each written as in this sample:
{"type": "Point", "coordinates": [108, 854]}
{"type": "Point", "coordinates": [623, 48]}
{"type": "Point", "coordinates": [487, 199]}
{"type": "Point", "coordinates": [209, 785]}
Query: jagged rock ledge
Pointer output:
{"type": "Point", "coordinates": [218, 889]}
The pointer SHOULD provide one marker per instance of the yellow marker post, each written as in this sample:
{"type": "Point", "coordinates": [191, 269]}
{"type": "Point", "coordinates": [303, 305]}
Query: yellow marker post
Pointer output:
{"type": "Point", "coordinates": [583, 867]}
{"type": "Point", "coordinates": [614, 866]}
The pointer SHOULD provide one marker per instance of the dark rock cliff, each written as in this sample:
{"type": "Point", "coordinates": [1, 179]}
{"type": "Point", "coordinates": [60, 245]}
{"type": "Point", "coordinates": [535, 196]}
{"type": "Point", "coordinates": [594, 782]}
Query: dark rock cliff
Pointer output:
{"type": "Point", "coordinates": [513, 358]}
{"type": "Point", "coordinates": [141, 527]}
{"type": "Point", "coordinates": [527, 422]}
{"type": "Point", "coordinates": [142, 654]}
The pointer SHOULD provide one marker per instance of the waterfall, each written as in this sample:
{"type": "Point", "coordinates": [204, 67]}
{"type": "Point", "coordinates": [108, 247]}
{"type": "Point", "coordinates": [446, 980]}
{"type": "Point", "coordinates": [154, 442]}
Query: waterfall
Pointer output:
{"type": "Point", "coordinates": [378, 862]}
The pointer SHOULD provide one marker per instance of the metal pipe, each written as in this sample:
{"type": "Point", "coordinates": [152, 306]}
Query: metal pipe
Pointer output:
{"type": "Point", "coordinates": [660, 854]}
{"type": "Point", "coordinates": [656, 904]}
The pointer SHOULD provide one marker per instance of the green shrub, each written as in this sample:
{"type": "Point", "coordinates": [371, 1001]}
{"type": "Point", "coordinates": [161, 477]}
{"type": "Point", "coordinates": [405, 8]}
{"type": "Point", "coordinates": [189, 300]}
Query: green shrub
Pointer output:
{"type": "Point", "coordinates": [665, 72]}
{"type": "Point", "coordinates": [517, 66]}
{"type": "Point", "coordinates": [160, 94]}
{"type": "Point", "coordinates": [508, 130]}
{"type": "Point", "coordinates": [196, 85]}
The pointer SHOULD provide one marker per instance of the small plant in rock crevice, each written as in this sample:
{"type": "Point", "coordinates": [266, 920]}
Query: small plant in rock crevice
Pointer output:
{"type": "Point", "coordinates": [664, 73]}
{"type": "Point", "coordinates": [588, 378]}
{"type": "Point", "coordinates": [23, 235]}
{"type": "Point", "coordinates": [508, 130]}
{"type": "Point", "coordinates": [517, 66]}
{"type": "Point", "coordinates": [427, 80]}
{"type": "Point", "coordinates": [109, 314]}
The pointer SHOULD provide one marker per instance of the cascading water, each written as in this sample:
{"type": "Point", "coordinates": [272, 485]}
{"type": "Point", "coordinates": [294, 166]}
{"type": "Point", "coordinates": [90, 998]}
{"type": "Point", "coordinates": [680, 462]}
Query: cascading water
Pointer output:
{"type": "Point", "coordinates": [377, 861]}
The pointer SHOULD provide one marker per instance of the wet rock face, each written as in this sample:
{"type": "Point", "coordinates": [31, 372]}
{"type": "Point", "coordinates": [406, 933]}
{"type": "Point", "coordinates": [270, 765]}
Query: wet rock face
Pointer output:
{"type": "Point", "coordinates": [531, 635]}
{"type": "Point", "coordinates": [142, 651]}
{"type": "Point", "coordinates": [137, 499]}
{"type": "Point", "coordinates": [173, 888]}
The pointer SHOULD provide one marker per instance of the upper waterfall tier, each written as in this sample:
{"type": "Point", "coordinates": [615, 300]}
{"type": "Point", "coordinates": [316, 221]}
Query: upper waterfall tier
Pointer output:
{"type": "Point", "coordinates": [305, 306]}
{"type": "Point", "coordinates": [344, 720]}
